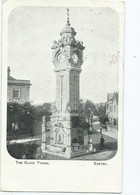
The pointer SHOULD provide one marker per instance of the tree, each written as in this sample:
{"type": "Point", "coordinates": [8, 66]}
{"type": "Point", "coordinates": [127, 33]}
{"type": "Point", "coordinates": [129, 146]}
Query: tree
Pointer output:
{"type": "Point", "coordinates": [103, 118]}
{"type": "Point", "coordinates": [47, 107]}
{"type": "Point", "coordinates": [42, 110]}
{"type": "Point", "coordinates": [20, 119]}
{"type": "Point", "coordinates": [102, 110]}
{"type": "Point", "coordinates": [87, 109]}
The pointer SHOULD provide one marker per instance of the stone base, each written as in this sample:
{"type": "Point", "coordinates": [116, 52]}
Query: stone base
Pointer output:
{"type": "Point", "coordinates": [58, 151]}
{"type": "Point", "coordinates": [66, 152]}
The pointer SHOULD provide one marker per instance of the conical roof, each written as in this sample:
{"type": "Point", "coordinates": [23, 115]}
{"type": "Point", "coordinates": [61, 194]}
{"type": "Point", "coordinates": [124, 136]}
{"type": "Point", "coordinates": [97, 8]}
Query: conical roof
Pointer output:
{"type": "Point", "coordinates": [68, 28]}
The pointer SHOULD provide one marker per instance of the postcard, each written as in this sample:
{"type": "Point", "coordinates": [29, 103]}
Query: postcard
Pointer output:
{"type": "Point", "coordinates": [62, 96]}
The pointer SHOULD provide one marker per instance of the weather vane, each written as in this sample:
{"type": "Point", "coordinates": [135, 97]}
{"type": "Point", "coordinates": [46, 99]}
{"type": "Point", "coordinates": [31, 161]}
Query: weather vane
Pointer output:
{"type": "Point", "coordinates": [68, 22]}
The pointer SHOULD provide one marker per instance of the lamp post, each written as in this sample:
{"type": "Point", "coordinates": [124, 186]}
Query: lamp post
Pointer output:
{"type": "Point", "coordinates": [29, 124]}
{"type": "Point", "coordinates": [90, 131]}
{"type": "Point", "coordinates": [10, 125]}
{"type": "Point", "coordinates": [43, 146]}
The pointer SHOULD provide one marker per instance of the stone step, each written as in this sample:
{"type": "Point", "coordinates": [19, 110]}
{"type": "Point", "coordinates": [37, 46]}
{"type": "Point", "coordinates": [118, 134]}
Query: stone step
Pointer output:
{"type": "Point", "coordinates": [56, 148]}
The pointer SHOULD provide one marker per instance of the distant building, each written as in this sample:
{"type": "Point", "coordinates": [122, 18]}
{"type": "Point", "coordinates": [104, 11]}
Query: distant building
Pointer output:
{"type": "Point", "coordinates": [112, 108]}
{"type": "Point", "coordinates": [18, 90]}
{"type": "Point", "coordinates": [99, 105]}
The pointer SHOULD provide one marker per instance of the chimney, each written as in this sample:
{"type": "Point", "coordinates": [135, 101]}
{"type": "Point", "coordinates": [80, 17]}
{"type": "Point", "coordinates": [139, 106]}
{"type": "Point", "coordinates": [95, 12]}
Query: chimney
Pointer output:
{"type": "Point", "coordinates": [9, 70]}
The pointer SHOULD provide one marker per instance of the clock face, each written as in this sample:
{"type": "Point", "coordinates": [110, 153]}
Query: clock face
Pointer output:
{"type": "Point", "coordinates": [60, 57]}
{"type": "Point", "coordinates": [75, 58]}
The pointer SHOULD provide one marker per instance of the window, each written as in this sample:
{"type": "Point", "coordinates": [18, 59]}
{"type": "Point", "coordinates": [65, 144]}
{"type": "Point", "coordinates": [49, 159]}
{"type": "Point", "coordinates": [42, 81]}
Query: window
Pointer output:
{"type": "Point", "coordinates": [16, 93]}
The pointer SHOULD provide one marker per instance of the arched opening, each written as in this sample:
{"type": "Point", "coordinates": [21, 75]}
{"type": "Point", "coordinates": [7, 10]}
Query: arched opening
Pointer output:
{"type": "Point", "coordinates": [59, 138]}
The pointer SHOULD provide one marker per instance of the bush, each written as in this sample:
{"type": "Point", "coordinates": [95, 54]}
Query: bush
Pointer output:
{"type": "Point", "coordinates": [20, 151]}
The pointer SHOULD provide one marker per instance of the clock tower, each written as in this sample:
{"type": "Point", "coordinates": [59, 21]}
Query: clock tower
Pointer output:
{"type": "Point", "coordinates": [67, 57]}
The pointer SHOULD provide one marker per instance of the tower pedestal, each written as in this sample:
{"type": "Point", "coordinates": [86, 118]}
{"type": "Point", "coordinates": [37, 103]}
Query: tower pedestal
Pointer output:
{"type": "Point", "coordinates": [60, 137]}
{"type": "Point", "coordinates": [65, 139]}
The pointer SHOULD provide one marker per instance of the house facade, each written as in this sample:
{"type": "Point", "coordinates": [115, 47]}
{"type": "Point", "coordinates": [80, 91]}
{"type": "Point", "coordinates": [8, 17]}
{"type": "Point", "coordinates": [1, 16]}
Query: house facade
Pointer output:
{"type": "Point", "coordinates": [112, 108]}
{"type": "Point", "coordinates": [17, 90]}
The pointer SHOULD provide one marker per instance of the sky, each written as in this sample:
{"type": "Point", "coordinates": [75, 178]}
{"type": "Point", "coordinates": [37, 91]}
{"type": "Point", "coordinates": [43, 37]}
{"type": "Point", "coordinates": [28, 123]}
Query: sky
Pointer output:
{"type": "Point", "coordinates": [31, 32]}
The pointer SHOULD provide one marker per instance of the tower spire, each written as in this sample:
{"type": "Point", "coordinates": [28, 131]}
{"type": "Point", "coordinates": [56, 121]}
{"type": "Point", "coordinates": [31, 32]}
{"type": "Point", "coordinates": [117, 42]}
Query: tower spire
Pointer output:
{"type": "Point", "coordinates": [68, 22]}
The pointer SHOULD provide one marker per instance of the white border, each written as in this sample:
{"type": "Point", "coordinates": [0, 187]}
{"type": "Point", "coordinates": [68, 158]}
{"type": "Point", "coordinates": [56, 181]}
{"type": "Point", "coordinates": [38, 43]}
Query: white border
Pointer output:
{"type": "Point", "coordinates": [83, 171]}
{"type": "Point", "coordinates": [131, 162]}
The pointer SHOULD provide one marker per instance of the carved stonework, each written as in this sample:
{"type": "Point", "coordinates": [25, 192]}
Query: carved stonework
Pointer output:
{"type": "Point", "coordinates": [55, 45]}
{"type": "Point", "coordinates": [58, 124]}
{"type": "Point", "coordinates": [66, 53]}
{"type": "Point", "coordinates": [68, 108]}
{"type": "Point", "coordinates": [59, 138]}
{"type": "Point", "coordinates": [64, 48]}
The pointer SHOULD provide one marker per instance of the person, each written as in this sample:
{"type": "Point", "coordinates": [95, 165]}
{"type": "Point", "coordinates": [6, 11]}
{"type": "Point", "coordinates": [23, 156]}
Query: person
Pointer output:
{"type": "Point", "coordinates": [102, 140]}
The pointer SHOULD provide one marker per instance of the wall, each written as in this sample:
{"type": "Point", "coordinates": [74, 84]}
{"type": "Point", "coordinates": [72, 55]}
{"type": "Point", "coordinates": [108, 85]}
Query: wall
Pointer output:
{"type": "Point", "coordinates": [24, 92]}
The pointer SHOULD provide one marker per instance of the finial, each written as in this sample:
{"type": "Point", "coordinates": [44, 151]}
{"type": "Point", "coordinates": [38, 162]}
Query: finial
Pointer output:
{"type": "Point", "coordinates": [44, 119]}
{"type": "Point", "coordinates": [68, 22]}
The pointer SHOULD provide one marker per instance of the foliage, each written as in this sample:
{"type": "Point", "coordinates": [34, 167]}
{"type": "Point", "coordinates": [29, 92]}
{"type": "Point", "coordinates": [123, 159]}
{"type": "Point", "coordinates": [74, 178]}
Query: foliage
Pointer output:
{"type": "Point", "coordinates": [24, 116]}
{"type": "Point", "coordinates": [102, 110]}
{"type": "Point", "coordinates": [103, 119]}
{"type": "Point", "coordinates": [79, 122]}
{"type": "Point", "coordinates": [87, 109]}
{"type": "Point", "coordinates": [75, 121]}
{"type": "Point", "coordinates": [42, 110]}
{"type": "Point", "coordinates": [20, 151]}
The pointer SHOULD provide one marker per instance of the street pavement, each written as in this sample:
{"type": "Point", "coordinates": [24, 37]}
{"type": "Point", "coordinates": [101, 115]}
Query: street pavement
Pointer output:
{"type": "Point", "coordinates": [104, 155]}
{"type": "Point", "coordinates": [113, 134]}
{"type": "Point", "coordinates": [25, 140]}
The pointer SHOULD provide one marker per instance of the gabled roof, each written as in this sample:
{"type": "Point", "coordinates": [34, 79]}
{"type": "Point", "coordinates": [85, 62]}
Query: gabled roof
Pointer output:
{"type": "Point", "coordinates": [17, 82]}
{"type": "Point", "coordinates": [11, 78]}
{"type": "Point", "coordinates": [112, 96]}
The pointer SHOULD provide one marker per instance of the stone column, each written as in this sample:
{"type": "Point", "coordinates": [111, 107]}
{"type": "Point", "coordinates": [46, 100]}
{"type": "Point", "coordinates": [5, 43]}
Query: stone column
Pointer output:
{"type": "Point", "coordinates": [90, 142]}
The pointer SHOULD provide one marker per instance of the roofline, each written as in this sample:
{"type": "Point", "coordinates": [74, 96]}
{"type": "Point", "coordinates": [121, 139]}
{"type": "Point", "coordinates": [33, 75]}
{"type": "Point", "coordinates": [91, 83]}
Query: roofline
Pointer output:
{"type": "Point", "coordinates": [19, 82]}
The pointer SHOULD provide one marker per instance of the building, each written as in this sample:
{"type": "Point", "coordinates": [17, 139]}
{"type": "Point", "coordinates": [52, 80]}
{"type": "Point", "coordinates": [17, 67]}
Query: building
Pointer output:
{"type": "Point", "coordinates": [17, 90]}
{"type": "Point", "coordinates": [100, 105]}
{"type": "Point", "coordinates": [67, 55]}
{"type": "Point", "coordinates": [112, 108]}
